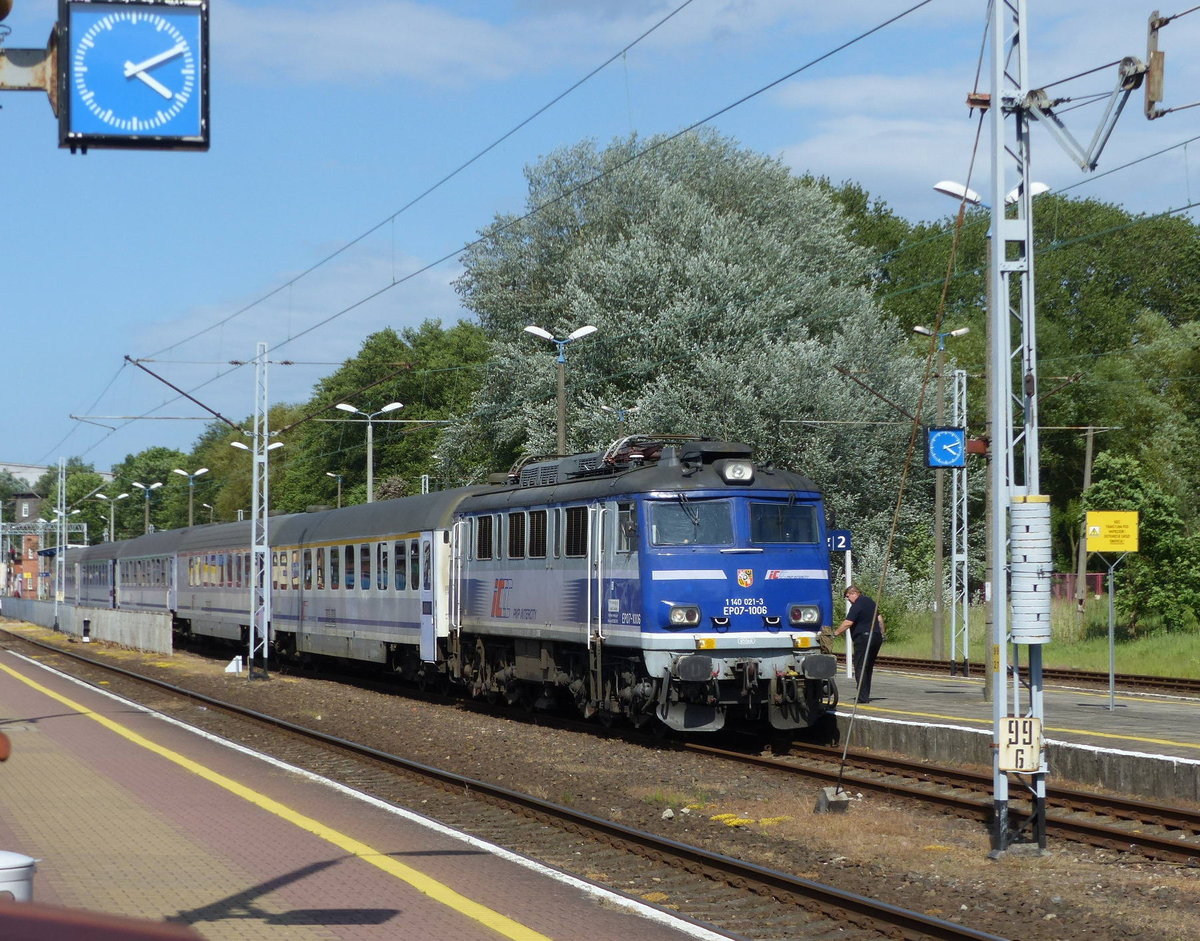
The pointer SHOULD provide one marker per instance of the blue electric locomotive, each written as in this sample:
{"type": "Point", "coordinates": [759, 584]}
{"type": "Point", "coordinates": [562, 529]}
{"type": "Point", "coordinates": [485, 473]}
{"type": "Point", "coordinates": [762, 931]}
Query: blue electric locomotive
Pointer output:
{"type": "Point", "coordinates": [667, 578]}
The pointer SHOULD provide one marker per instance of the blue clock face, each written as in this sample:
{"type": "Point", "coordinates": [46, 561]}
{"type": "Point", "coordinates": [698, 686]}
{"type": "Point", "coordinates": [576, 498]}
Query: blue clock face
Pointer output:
{"type": "Point", "coordinates": [135, 70]}
{"type": "Point", "coordinates": [947, 447]}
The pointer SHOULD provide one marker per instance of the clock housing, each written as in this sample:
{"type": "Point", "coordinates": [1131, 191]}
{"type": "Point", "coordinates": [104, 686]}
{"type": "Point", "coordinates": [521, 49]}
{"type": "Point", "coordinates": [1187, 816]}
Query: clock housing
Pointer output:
{"type": "Point", "coordinates": [946, 447]}
{"type": "Point", "coordinates": [133, 74]}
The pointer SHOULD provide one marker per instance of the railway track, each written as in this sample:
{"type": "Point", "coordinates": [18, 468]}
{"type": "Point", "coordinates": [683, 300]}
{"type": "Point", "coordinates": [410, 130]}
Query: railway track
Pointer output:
{"type": "Point", "coordinates": [744, 899]}
{"type": "Point", "coordinates": [1153, 830]}
{"type": "Point", "coordinates": [1132, 682]}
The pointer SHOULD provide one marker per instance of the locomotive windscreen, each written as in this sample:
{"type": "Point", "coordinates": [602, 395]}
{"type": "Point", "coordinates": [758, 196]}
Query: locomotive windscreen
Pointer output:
{"type": "Point", "coordinates": [781, 522]}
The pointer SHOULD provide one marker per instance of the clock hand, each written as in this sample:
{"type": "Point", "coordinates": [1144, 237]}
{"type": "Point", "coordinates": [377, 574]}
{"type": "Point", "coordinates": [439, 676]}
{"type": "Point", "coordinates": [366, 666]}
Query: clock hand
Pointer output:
{"type": "Point", "coordinates": [132, 70]}
{"type": "Point", "coordinates": [155, 84]}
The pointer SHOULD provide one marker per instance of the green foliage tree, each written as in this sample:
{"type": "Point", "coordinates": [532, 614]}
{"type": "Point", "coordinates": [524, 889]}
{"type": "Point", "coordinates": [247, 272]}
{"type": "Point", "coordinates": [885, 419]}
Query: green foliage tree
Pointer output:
{"type": "Point", "coordinates": [1162, 579]}
{"type": "Point", "coordinates": [149, 467]}
{"type": "Point", "coordinates": [727, 297]}
{"type": "Point", "coordinates": [430, 369]}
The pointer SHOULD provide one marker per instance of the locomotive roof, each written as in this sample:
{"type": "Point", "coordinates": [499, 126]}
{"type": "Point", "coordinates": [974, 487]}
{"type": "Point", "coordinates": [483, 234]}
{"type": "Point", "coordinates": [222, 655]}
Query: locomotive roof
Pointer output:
{"type": "Point", "coordinates": [692, 466]}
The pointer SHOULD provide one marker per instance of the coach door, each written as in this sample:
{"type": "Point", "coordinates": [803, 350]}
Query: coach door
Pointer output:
{"type": "Point", "coordinates": [430, 578]}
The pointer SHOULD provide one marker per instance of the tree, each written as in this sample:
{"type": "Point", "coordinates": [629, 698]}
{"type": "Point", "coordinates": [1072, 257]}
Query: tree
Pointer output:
{"type": "Point", "coordinates": [431, 370]}
{"type": "Point", "coordinates": [727, 296]}
{"type": "Point", "coordinates": [149, 467]}
{"type": "Point", "coordinates": [1162, 578]}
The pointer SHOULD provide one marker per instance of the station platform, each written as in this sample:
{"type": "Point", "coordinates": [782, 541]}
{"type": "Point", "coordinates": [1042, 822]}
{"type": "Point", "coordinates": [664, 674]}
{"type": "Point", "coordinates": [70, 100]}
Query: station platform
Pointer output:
{"type": "Point", "coordinates": [1146, 745]}
{"type": "Point", "coordinates": [132, 814]}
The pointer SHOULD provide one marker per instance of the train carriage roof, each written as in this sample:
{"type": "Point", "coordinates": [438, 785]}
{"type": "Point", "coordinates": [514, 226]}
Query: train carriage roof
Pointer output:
{"type": "Point", "coordinates": [373, 520]}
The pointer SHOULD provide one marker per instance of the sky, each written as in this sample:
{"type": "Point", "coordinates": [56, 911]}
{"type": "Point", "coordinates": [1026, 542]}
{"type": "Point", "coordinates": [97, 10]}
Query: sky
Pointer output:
{"type": "Point", "coordinates": [301, 227]}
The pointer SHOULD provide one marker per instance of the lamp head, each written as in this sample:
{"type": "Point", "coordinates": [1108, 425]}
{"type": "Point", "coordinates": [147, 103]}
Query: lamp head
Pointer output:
{"type": "Point", "coordinates": [346, 407]}
{"type": "Point", "coordinates": [539, 332]}
{"type": "Point", "coordinates": [581, 332]}
{"type": "Point", "coordinates": [924, 331]}
{"type": "Point", "coordinates": [958, 191]}
{"type": "Point", "coordinates": [392, 406]}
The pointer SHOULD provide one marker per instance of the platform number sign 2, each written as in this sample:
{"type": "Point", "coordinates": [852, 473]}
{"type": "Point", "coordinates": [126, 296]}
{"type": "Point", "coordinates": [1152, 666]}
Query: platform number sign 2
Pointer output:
{"type": "Point", "coordinates": [838, 540]}
{"type": "Point", "coordinates": [1021, 744]}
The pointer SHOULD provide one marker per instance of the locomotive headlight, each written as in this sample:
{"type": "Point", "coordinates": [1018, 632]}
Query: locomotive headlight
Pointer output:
{"type": "Point", "coordinates": [736, 472]}
{"type": "Point", "coordinates": [804, 615]}
{"type": "Point", "coordinates": [684, 615]}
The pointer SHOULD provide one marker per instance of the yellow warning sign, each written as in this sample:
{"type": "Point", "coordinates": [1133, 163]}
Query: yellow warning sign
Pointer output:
{"type": "Point", "coordinates": [1115, 531]}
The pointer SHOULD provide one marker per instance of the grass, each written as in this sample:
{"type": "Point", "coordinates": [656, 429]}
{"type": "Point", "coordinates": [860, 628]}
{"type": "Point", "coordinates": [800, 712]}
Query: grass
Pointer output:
{"type": "Point", "coordinates": [1075, 644]}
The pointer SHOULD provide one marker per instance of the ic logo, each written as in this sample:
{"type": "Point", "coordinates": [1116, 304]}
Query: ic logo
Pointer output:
{"type": "Point", "coordinates": [502, 585]}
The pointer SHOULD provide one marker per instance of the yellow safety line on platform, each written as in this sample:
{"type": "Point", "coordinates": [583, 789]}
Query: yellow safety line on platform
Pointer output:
{"type": "Point", "coordinates": [988, 722]}
{"type": "Point", "coordinates": [437, 891]}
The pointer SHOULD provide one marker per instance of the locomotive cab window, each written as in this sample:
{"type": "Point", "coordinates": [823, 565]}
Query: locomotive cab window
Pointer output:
{"type": "Point", "coordinates": [686, 522]}
{"type": "Point", "coordinates": [794, 523]}
{"type": "Point", "coordinates": [627, 531]}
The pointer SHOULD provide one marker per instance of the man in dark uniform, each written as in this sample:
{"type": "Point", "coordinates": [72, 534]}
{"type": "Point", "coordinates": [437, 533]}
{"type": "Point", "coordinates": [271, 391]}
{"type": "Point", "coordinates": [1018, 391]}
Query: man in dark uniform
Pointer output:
{"type": "Point", "coordinates": [865, 624]}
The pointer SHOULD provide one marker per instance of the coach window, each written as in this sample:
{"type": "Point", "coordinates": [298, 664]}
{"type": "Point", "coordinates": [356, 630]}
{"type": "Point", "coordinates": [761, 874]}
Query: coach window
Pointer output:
{"type": "Point", "coordinates": [335, 568]}
{"type": "Point", "coordinates": [537, 534]}
{"type": "Point", "coordinates": [401, 565]}
{"type": "Point", "coordinates": [575, 541]}
{"type": "Point", "coordinates": [427, 564]}
{"type": "Point", "coordinates": [414, 564]}
{"type": "Point", "coordinates": [483, 537]}
{"type": "Point", "coordinates": [308, 570]}
{"type": "Point", "coordinates": [364, 568]}
{"type": "Point", "coordinates": [381, 566]}
{"type": "Point", "coordinates": [321, 569]}
{"type": "Point", "coordinates": [516, 535]}
{"type": "Point", "coordinates": [349, 557]}
{"type": "Point", "coordinates": [275, 571]}
{"type": "Point", "coordinates": [295, 570]}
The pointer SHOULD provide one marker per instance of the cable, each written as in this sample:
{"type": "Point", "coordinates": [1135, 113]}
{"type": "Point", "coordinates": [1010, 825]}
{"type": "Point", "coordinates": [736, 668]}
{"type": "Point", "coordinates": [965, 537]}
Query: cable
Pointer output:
{"type": "Point", "coordinates": [449, 176]}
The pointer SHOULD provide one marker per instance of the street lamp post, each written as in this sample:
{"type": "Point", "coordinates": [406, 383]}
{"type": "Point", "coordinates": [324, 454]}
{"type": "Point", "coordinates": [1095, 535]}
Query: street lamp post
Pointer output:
{"type": "Point", "coordinates": [146, 489]}
{"type": "Point", "coordinates": [112, 512]}
{"type": "Point", "coordinates": [211, 511]}
{"type": "Point", "coordinates": [561, 362]}
{"type": "Point", "coordinates": [339, 480]}
{"type": "Point", "coordinates": [390, 407]}
{"type": "Point", "coordinates": [939, 494]}
{"type": "Point", "coordinates": [191, 487]}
